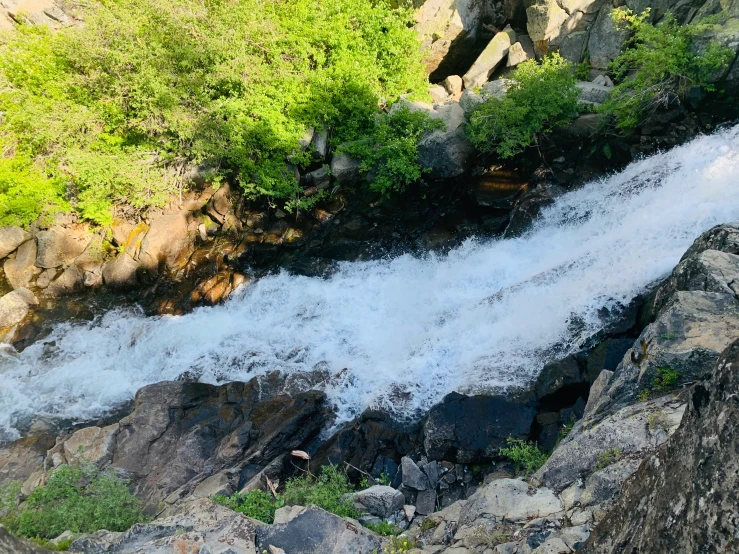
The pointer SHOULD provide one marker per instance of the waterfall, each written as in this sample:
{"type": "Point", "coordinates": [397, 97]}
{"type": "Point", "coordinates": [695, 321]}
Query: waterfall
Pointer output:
{"type": "Point", "coordinates": [484, 317]}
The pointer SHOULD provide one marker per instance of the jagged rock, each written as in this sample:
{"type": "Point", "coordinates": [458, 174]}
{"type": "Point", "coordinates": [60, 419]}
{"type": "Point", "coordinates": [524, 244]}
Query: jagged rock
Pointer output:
{"type": "Point", "coordinates": [380, 500]}
{"type": "Point", "coordinates": [627, 431]}
{"type": "Point", "coordinates": [606, 39]}
{"type": "Point", "coordinates": [489, 59]}
{"type": "Point", "coordinates": [467, 429]}
{"type": "Point", "coordinates": [510, 499]}
{"type": "Point", "coordinates": [315, 531]}
{"type": "Point", "coordinates": [319, 178]}
{"type": "Point", "coordinates": [607, 355]}
{"type": "Point", "coordinates": [11, 238]}
{"type": "Point", "coordinates": [595, 94]}
{"type": "Point", "coordinates": [446, 152]}
{"type": "Point", "coordinates": [181, 433]}
{"type": "Point", "coordinates": [426, 501]}
{"type": "Point", "coordinates": [559, 374]}
{"type": "Point", "coordinates": [605, 484]}
{"type": "Point", "coordinates": [320, 144]}
{"type": "Point", "coordinates": [92, 444]}
{"type": "Point", "coordinates": [520, 51]}
{"type": "Point", "coordinates": [469, 100]}
{"type": "Point", "coordinates": [20, 270]}
{"type": "Point", "coordinates": [199, 526]}
{"type": "Point", "coordinates": [20, 459]}
{"type": "Point", "coordinates": [453, 84]}
{"type": "Point", "coordinates": [544, 19]}
{"type": "Point", "coordinates": [438, 94]}
{"type": "Point", "coordinates": [70, 281]}
{"type": "Point", "coordinates": [166, 242]}
{"type": "Point", "coordinates": [344, 168]}
{"type": "Point", "coordinates": [572, 48]}
{"type": "Point", "coordinates": [121, 273]}
{"type": "Point", "coordinates": [683, 498]}
{"type": "Point", "coordinates": [413, 477]}
{"type": "Point", "coordinates": [287, 513]}
{"type": "Point", "coordinates": [603, 80]}
{"type": "Point", "coordinates": [13, 545]}
{"type": "Point", "coordinates": [496, 89]}
{"type": "Point", "coordinates": [220, 204]}
{"type": "Point", "coordinates": [14, 306]}
{"type": "Point", "coordinates": [60, 246]}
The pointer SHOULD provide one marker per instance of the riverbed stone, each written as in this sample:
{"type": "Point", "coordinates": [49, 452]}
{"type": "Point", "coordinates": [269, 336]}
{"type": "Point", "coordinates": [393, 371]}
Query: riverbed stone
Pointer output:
{"type": "Point", "coordinates": [70, 281]}
{"type": "Point", "coordinates": [166, 242]}
{"type": "Point", "coordinates": [11, 237]}
{"type": "Point", "coordinates": [14, 307]}
{"type": "Point", "coordinates": [121, 273]}
{"type": "Point", "coordinates": [59, 246]}
{"type": "Point", "coordinates": [380, 500]}
{"type": "Point", "coordinates": [20, 270]}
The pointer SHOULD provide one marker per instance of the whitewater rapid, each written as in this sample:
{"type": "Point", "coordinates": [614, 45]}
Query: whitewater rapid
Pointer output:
{"type": "Point", "coordinates": [411, 329]}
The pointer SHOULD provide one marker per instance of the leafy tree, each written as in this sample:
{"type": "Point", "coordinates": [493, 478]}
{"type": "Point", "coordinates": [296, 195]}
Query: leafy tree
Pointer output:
{"type": "Point", "coordinates": [659, 64]}
{"type": "Point", "coordinates": [543, 96]}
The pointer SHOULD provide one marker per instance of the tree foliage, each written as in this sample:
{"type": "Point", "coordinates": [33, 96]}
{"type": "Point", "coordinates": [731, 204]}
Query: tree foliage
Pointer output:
{"type": "Point", "coordinates": [112, 110]}
{"type": "Point", "coordinates": [543, 96]}
{"type": "Point", "coordinates": [660, 62]}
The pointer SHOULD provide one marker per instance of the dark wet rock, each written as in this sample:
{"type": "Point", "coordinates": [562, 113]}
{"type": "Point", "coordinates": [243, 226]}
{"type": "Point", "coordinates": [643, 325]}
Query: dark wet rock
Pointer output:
{"type": "Point", "coordinates": [426, 501]}
{"type": "Point", "coordinates": [528, 207]}
{"type": "Point", "coordinates": [413, 477]}
{"type": "Point", "coordinates": [683, 498]}
{"type": "Point", "coordinates": [469, 429]}
{"type": "Point", "coordinates": [181, 433]}
{"type": "Point", "coordinates": [11, 238]}
{"type": "Point", "coordinates": [315, 531]}
{"type": "Point", "coordinates": [558, 374]}
{"type": "Point", "coordinates": [607, 355]}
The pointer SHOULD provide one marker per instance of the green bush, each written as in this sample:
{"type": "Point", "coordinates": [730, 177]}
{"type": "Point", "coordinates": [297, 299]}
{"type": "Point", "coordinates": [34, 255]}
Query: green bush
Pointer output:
{"type": "Point", "coordinates": [661, 61]}
{"type": "Point", "coordinates": [666, 379]}
{"type": "Point", "coordinates": [389, 154]}
{"type": "Point", "coordinates": [325, 491]}
{"type": "Point", "coordinates": [81, 499]}
{"type": "Point", "coordinates": [384, 528]}
{"type": "Point", "coordinates": [542, 97]}
{"type": "Point", "coordinates": [256, 504]}
{"type": "Point", "coordinates": [607, 458]}
{"type": "Point", "coordinates": [112, 111]}
{"type": "Point", "coordinates": [525, 455]}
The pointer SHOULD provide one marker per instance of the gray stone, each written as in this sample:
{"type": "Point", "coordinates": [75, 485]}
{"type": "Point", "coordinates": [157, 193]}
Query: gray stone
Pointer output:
{"type": "Point", "coordinates": [200, 526]}
{"type": "Point", "coordinates": [11, 238]}
{"type": "Point", "coordinates": [489, 59]}
{"type": "Point", "coordinates": [319, 178]}
{"type": "Point", "coordinates": [121, 273]}
{"type": "Point", "coordinates": [603, 80]}
{"type": "Point", "coordinates": [70, 281]}
{"type": "Point", "coordinates": [520, 51]}
{"type": "Point", "coordinates": [595, 94]}
{"type": "Point", "coordinates": [496, 89]}
{"type": "Point", "coordinates": [13, 545]}
{"type": "Point", "coordinates": [512, 499]}
{"type": "Point", "coordinates": [14, 306]}
{"type": "Point", "coordinates": [344, 168]}
{"type": "Point", "coordinates": [605, 484]}
{"type": "Point", "coordinates": [438, 94]}
{"type": "Point", "coordinates": [166, 243]}
{"type": "Point", "coordinates": [380, 500]}
{"type": "Point", "coordinates": [606, 40]}
{"type": "Point", "coordinates": [287, 513]}
{"type": "Point", "coordinates": [315, 531]}
{"type": "Point", "coordinates": [426, 502]}
{"type": "Point", "coordinates": [469, 100]}
{"type": "Point", "coordinates": [59, 246]}
{"type": "Point", "coordinates": [453, 84]}
{"type": "Point", "coordinates": [544, 19]}
{"type": "Point", "coordinates": [572, 48]}
{"type": "Point", "coordinates": [320, 144]}
{"type": "Point", "coordinates": [20, 270]}
{"type": "Point", "coordinates": [92, 444]}
{"type": "Point", "coordinates": [596, 390]}
{"type": "Point", "coordinates": [446, 152]}
{"type": "Point", "coordinates": [413, 477]}
{"type": "Point", "coordinates": [626, 430]}
{"type": "Point", "coordinates": [433, 472]}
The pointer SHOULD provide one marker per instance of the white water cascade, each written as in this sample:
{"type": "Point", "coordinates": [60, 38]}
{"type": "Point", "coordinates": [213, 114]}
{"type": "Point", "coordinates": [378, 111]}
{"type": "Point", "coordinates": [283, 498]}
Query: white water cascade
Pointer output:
{"type": "Point", "coordinates": [422, 327]}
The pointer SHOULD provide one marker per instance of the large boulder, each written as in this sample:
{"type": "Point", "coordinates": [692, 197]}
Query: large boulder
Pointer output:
{"type": "Point", "coordinates": [19, 271]}
{"type": "Point", "coordinates": [13, 545]}
{"type": "Point", "coordinates": [683, 498]}
{"type": "Point", "coordinates": [20, 459]}
{"type": "Point", "coordinates": [59, 246]}
{"type": "Point", "coordinates": [14, 307]}
{"type": "Point", "coordinates": [11, 238]}
{"type": "Point", "coordinates": [121, 273]}
{"type": "Point", "coordinates": [469, 429]}
{"type": "Point", "coordinates": [380, 500]}
{"type": "Point", "coordinates": [606, 39]}
{"type": "Point", "coordinates": [592, 93]}
{"type": "Point", "coordinates": [167, 242]}
{"type": "Point", "coordinates": [489, 59]}
{"type": "Point", "coordinates": [198, 526]}
{"type": "Point", "coordinates": [446, 152]}
{"type": "Point", "coordinates": [315, 531]}
{"type": "Point", "coordinates": [512, 500]}
{"type": "Point", "coordinates": [544, 19]}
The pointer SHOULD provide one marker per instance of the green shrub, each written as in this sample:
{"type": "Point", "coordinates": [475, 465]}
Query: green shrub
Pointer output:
{"type": "Point", "coordinates": [543, 96]}
{"type": "Point", "coordinates": [666, 379]}
{"type": "Point", "coordinates": [325, 491]}
{"type": "Point", "coordinates": [81, 499]}
{"type": "Point", "coordinates": [256, 504]}
{"type": "Point", "coordinates": [525, 455]}
{"type": "Point", "coordinates": [384, 528]}
{"type": "Point", "coordinates": [661, 61]}
{"type": "Point", "coordinates": [390, 152]}
{"type": "Point", "coordinates": [399, 545]}
{"type": "Point", "coordinates": [607, 458]}
{"type": "Point", "coordinates": [112, 110]}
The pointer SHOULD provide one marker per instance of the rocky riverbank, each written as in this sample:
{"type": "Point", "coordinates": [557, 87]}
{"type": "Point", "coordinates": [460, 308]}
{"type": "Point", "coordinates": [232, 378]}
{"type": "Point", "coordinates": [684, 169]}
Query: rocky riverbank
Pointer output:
{"type": "Point", "coordinates": [654, 401]}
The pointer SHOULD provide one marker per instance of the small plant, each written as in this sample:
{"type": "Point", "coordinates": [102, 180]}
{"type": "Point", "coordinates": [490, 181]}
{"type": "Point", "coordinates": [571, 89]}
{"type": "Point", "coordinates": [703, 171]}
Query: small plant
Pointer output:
{"type": "Point", "coordinates": [429, 524]}
{"type": "Point", "coordinates": [643, 395]}
{"type": "Point", "coordinates": [658, 421]}
{"type": "Point", "coordinates": [79, 498]}
{"type": "Point", "coordinates": [488, 537]}
{"type": "Point", "coordinates": [399, 545]}
{"type": "Point", "coordinates": [666, 379]}
{"type": "Point", "coordinates": [565, 430]}
{"type": "Point", "coordinates": [256, 504]}
{"type": "Point", "coordinates": [325, 491]}
{"type": "Point", "coordinates": [607, 458]}
{"type": "Point", "coordinates": [384, 528]}
{"type": "Point", "coordinates": [385, 479]}
{"type": "Point", "coordinates": [542, 97]}
{"type": "Point", "coordinates": [668, 336]}
{"type": "Point", "coordinates": [525, 455]}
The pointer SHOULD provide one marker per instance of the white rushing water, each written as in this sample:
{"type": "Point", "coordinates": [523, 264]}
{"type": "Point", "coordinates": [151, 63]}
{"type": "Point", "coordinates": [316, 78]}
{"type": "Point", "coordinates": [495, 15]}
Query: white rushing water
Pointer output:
{"type": "Point", "coordinates": [417, 326]}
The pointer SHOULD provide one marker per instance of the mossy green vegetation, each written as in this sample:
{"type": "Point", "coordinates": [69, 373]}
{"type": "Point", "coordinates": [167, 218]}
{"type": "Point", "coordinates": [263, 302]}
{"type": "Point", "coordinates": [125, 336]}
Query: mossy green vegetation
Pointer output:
{"type": "Point", "coordinates": [526, 456]}
{"type": "Point", "coordinates": [78, 498]}
{"type": "Point", "coordinates": [659, 64]}
{"type": "Point", "coordinates": [325, 491]}
{"type": "Point", "coordinates": [542, 97]}
{"type": "Point", "coordinates": [384, 528]}
{"type": "Point", "coordinates": [114, 110]}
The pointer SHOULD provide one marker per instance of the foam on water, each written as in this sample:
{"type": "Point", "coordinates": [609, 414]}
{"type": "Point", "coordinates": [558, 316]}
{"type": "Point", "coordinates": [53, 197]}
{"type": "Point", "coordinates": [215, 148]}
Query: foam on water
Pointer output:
{"type": "Point", "coordinates": [409, 329]}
